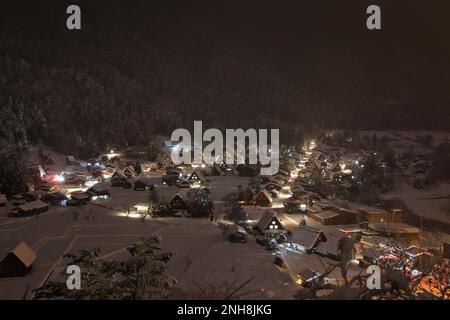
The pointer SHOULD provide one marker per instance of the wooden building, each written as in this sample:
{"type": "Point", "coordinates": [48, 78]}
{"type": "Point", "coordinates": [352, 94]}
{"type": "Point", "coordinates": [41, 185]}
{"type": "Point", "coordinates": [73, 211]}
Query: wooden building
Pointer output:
{"type": "Point", "coordinates": [269, 224]}
{"type": "Point", "coordinates": [307, 238]}
{"type": "Point", "coordinates": [397, 231]}
{"type": "Point", "coordinates": [18, 262]}
{"type": "Point", "coordinates": [376, 215]}
{"type": "Point", "coordinates": [263, 199]}
{"type": "Point", "coordinates": [31, 208]}
{"type": "Point", "coordinates": [196, 176]}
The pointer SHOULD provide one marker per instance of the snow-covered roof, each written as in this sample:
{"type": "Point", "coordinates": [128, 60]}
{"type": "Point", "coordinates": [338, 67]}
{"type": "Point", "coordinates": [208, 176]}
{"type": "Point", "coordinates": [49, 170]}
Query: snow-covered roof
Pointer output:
{"type": "Point", "coordinates": [327, 214]}
{"type": "Point", "coordinates": [99, 187]}
{"type": "Point", "coordinates": [197, 173]}
{"type": "Point", "coordinates": [266, 218]}
{"type": "Point", "coordinates": [166, 194]}
{"type": "Point", "coordinates": [24, 253]}
{"type": "Point", "coordinates": [266, 194]}
{"type": "Point", "coordinates": [330, 246]}
{"type": "Point", "coordinates": [307, 237]}
{"type": "Point", "coordinates": [78, 195]}
{"type": "Point", "coordinates": [29, 206]}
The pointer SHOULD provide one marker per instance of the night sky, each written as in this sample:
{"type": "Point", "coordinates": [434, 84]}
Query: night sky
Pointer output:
{"type": "Point", "coordinates": [322, 47]}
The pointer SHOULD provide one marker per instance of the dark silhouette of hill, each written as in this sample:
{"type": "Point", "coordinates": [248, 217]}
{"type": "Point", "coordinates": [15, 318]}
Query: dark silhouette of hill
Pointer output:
{"type": "Point", "coordinates": [140, 68]}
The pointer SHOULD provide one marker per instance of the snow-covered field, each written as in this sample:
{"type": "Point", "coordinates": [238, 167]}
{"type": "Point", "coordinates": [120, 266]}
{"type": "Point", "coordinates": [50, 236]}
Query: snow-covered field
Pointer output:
{"type": "Point", "coordinates": [201, 253]}
{"type": "Point", "coordinates": [432, 203]}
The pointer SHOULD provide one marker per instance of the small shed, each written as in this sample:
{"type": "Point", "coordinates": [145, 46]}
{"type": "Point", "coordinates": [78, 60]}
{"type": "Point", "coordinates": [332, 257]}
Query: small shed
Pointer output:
{"type": "Point", "coordinates": [17, 263]}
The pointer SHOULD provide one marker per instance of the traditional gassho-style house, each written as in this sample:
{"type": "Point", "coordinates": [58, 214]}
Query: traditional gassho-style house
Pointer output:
{"type": "Point", "coordinates": [326, 174]}
{"type": "Point", "coordinates": [263, 199]}
{"type": "Point", "coordinates": [172, 197]}
{"type": "Point", "coordinates": [335, 168]}
{"type": "Point", "coordinates": [18, 262]}
{"type": "Point", "coordinates": [307, 238]}
{"type": "Point", "coordinates": [331, 247]}
{"type": "Point", "coordinates": [31, 208]}
{"type": "Point", "coordinates": [313, 165]}
{"type": "Point", "coordinates": [332, 158]}
{"type": "Point", "coordinates": [321, 157]}
{"type": "Point", "coordinates": [196, 177]}
{"type": "Point", "coordinates": [129, 172]}
{"type": "Point", "coordinates": [118, 179]}
{"type": "Point", "coordinates": [269, 224]}
{"type": "Point", "coordinates": [140, 185]}
{"type": "Point", "coordinates": [178, 202]}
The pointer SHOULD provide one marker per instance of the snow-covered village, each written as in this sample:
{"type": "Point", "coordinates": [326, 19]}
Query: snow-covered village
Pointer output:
{"type": "Point", "coordinates": [338, 204]}
{"type": "Point", "coordinates": [228, 151]}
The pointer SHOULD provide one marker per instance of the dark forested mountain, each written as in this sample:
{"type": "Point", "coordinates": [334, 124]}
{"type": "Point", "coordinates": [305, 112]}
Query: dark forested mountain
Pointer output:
{"type": "Point", "coordinates": [140, 68]}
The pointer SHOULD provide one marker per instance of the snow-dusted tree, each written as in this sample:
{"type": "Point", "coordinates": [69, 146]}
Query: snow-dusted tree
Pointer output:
{"type": "Point", "coordinates": [143, 275]}
{"type": "Point", "coordinates": [397, 280]}
{"type": "Point", "coordinates": [12, 171]}
{"type": "Point", "coordinates": [199, 204]}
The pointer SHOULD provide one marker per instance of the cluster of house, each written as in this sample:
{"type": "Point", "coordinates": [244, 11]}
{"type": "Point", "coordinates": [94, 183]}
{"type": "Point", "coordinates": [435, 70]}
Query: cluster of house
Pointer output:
{"type": "Point", "coordinates": [342, 167]}
{"type": "Point", "coordinates": [78, 183]}
{"type": "Point", "coordinates": [378, 229]}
